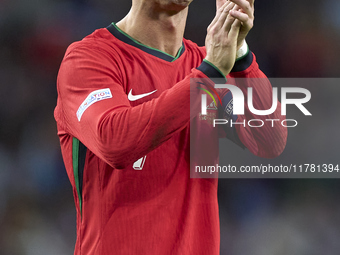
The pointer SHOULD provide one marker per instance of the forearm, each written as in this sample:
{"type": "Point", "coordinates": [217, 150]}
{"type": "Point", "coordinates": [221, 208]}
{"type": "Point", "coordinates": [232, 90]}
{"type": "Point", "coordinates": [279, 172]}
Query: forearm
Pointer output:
{"type": "Point", "coordinates": [268, 140]}
{"type": "Point", "coordinates": [126, 134]}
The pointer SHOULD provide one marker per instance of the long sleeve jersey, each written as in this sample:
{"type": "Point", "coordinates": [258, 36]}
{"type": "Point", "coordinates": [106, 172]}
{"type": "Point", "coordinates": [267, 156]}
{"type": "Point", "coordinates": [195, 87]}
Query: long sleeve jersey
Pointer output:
{"type": "Point", "coordinates": [123, 121]}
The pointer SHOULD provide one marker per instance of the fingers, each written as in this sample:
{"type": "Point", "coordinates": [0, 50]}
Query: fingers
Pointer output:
{"type": "Point", "coordinates": [226, 7]}
{"type": "Point", "coordinates": [246, 6]}
{"type": "Point", "coordinates": [229, 20]}
{"type": "Point", "coordinates": [219, 3]}
{"type": "Point", "coordinates": [225, 19]}
{"type": "Point", "coordinates": [243, 17]}
{"type": "Point", "coordinates": [235, 29]}
{"type": "Point", "coordinates": [218, 13]}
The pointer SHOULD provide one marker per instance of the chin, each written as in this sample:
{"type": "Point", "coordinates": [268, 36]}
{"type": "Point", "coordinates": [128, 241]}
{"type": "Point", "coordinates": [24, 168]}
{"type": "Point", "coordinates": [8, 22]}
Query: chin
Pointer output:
{"type": "Point", "coordinates": [183, 2]}
{"type": "Point", "coordinates": [176, 2]}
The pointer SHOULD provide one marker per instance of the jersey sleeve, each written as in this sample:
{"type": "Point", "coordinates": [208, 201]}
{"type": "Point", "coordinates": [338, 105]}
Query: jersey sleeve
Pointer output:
{"type": "Point", "coordinates": [269, 140]}
{"type": "Point", "coordinates": [95, 109]}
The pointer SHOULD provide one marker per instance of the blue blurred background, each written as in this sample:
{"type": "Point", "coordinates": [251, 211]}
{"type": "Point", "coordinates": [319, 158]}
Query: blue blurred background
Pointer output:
{"type": "Point", "coordinates": [37, 216]}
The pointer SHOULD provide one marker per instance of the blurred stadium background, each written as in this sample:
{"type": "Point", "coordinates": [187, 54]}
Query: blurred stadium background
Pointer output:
{"type": "Point", "coordinates": [37, 216]}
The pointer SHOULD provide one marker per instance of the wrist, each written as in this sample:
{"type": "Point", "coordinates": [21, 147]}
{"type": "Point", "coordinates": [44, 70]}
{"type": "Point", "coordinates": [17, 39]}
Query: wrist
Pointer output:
{"type": "Point", "coordinates": [223, 71]}
{"type": "Point", "coordinates": [242, 51]}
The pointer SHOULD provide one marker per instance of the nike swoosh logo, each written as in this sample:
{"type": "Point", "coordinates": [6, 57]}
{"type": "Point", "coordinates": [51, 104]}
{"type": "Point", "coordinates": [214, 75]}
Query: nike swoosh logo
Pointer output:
{"type": "Point", "coordinates": [136, 97]}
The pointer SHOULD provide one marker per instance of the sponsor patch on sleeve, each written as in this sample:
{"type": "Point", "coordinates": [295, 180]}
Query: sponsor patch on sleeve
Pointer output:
{"type": "Point", "coordinates": [94, 97]}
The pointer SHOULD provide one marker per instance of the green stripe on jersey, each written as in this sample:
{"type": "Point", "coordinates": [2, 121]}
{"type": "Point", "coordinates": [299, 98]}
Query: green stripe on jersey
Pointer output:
{"type": "Point", "coordinates": [75, 159]}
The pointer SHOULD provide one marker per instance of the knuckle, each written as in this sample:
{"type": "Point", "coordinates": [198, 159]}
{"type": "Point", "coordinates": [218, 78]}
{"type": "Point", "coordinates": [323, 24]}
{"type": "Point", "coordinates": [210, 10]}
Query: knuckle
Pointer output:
{"type": "Point", "coordinates": [250, 23]}
{"type": "Point", "coordinates": [212, 30]}
{"type": "Point", "coordinates": [247, 6]}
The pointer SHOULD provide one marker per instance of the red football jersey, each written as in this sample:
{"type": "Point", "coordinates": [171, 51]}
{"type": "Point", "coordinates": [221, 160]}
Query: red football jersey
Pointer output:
{"type": "Point", "coordinates": [123, 122]}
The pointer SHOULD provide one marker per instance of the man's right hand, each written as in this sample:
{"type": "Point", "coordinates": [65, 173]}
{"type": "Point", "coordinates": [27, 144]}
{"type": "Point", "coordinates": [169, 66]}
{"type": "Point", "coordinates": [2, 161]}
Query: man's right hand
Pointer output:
{"type": "Point", "coordinates": [221, 40]}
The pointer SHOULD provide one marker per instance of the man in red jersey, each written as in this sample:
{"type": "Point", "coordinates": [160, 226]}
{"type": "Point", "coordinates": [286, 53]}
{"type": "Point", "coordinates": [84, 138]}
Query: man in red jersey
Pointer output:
{"type": "Point", "coordinates": [123, 123]}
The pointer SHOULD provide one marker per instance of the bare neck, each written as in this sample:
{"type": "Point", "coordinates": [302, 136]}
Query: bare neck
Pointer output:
{"type": "Point", "coordinates": [156, 28]}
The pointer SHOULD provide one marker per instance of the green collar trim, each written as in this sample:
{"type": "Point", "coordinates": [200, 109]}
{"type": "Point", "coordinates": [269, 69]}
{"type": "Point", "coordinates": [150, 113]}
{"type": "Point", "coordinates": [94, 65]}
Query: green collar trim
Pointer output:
{"type": "Point", "coordinates": [121, 35]}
